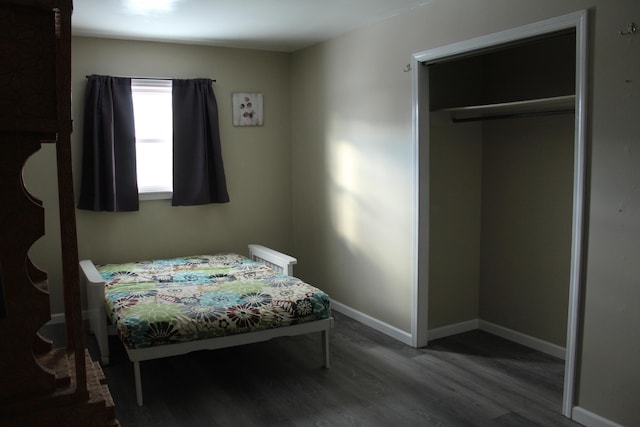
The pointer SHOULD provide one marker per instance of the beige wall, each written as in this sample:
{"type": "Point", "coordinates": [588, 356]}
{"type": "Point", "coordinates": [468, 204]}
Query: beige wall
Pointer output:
{"type": "Point", "coordinates": [352, 156]}
{"type": "Point", "coordinates": [455, 180]}
{"type": "Point", "coordinates": [352, 174]}
{"type": "Point", "coordinates": [257, 162]}
{"type": "Point", "coordinates": [527, 195]}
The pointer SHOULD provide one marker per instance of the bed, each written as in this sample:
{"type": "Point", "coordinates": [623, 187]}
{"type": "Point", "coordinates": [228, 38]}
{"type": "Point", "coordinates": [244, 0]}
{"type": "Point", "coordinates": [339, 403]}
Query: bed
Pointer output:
{"type": "Point", "coordinates": [169, 307]}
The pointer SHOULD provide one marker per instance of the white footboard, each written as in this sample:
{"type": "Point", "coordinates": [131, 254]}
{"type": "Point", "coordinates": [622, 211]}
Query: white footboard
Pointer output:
{"type": "Point", "coordinates": [276, 260]}
{"type": "Point", "coordinates": [95, 301]}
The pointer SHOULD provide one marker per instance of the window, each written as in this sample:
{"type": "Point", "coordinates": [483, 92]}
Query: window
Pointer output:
{"type": "Point", "coordinates": [178, 150]}
{"type": "Point", "coordinates": [154, 137]}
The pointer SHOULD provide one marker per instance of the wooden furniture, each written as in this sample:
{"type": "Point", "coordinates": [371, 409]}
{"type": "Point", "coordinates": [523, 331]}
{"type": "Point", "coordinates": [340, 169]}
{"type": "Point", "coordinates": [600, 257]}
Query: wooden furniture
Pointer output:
{"type": "Point", "coordinates": [39, 385]}
{"type": "Point", "coordinates": [276, 261]}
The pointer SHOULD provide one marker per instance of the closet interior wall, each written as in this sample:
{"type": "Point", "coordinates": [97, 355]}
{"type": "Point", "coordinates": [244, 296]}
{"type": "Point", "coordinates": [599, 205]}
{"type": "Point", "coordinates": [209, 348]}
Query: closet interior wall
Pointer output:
{"type": "Point", "coordinates": [501, 191]}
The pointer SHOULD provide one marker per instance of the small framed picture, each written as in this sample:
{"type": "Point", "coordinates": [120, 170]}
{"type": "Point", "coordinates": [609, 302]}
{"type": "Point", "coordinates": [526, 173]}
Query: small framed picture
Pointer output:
{"type": "Point", "coordinates": [247, 109]}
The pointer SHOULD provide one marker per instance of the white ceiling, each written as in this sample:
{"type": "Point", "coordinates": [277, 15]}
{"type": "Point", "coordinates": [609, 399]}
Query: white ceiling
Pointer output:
{"type": "Point", "coordinates": [278, 25]}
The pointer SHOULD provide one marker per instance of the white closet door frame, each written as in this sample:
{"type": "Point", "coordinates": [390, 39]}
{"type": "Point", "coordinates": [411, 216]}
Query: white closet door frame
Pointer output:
{"type": "Point", "coordinates": [420, 95]}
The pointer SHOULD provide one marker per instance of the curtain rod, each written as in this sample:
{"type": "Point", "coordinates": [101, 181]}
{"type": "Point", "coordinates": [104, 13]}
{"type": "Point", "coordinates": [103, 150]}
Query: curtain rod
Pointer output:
{"type": "Point", "coordinates": [151, 78]}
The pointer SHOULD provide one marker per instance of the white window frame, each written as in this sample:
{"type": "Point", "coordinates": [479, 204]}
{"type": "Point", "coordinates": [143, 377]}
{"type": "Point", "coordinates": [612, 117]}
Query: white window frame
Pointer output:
{"type": "Point", "coordinates": [165, 136]}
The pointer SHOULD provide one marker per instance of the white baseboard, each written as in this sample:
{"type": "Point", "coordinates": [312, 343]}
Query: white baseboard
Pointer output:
{"type": "Point", "coordinates": [589, 419]}
{"type": "Point", "coordinates": [501, 331]}
{"type": "Point", "coordinates": [456, 328]}
{"type": "Point", "coordinates": [526, 340]}
{"type": "Point", "coordinates": [372, 322]}
{"type": "Point", "coordinates": [58, 318]}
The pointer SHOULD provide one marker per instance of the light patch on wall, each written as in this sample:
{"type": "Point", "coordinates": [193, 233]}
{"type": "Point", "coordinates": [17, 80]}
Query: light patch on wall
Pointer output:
{"type": "Point", "coordinates": [367, 206]}
{"type": "Point", "coordinates": [344, 173]}
{"type": "Point", "coordinates": [147, 7]}
{"type": "Point", "coordinates": [366, 181]}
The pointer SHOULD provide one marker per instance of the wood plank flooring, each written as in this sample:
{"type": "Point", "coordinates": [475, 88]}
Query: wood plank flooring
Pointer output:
{"type": "Point", "coordinates": [471, 379]}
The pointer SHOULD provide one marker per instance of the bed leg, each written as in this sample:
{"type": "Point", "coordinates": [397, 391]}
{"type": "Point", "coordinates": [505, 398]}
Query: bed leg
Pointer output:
{"type": "Point", "coordinates": [138, 381]}
{"type": "Point", "coordinates": [325, 348]}
{"type": "Point", "coordinates": [103, 344]}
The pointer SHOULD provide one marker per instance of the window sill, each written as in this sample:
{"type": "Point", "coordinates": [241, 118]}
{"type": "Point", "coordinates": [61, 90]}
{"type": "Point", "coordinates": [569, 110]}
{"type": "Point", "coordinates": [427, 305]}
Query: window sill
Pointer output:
{"type": "Point", "coordinates": [159, 195]}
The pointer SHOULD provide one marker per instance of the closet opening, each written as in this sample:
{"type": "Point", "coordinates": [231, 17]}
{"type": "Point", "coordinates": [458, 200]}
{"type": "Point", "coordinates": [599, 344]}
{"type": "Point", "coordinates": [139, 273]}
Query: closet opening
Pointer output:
{"type": "Point", "coordinates": [499, 139]}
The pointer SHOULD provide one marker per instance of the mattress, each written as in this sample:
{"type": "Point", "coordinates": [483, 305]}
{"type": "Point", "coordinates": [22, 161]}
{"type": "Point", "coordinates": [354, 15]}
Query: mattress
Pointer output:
{"type": "Point", "coordinates": [184, 299]}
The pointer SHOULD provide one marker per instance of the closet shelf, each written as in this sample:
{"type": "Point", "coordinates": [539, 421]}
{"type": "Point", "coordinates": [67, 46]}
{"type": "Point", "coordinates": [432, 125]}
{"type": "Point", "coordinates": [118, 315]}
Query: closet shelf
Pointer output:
{"type": "Point", "coordinates": [533, 107]}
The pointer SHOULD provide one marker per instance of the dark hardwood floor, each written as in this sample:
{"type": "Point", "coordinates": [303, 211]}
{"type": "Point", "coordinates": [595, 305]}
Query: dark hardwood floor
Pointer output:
{"type": "Point", "coordinates": [471, 379]}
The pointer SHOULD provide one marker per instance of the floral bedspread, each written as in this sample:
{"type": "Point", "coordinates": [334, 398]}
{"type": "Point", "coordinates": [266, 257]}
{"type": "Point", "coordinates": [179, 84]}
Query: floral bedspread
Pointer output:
{"type": "Point", "coordinates": [184, 299]}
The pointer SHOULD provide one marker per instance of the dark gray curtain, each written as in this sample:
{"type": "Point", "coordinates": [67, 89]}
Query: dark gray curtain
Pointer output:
{"type": "Point", "coordinates": [198, 170]}
{"type": "Point", "coordinates": [109, 181]}
{"type": "Point", "coordinates": [3, 307]}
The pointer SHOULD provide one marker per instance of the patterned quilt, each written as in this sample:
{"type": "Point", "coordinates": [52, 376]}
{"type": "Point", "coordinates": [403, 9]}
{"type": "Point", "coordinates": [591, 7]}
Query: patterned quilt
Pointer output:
{"type": "Point", "coordinates": [184, 299]}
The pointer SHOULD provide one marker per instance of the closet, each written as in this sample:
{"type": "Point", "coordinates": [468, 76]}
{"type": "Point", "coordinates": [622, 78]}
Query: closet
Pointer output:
{"type": "Point", "coordinates": [501, 183]}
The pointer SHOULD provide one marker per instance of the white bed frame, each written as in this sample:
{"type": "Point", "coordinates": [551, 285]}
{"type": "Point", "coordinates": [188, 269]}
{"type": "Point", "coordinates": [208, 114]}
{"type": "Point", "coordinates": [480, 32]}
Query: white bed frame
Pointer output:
{"type": "Point", "coordinates": [98, 320]}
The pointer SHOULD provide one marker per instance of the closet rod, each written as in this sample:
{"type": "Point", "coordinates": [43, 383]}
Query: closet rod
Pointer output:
{"type": "Point", "coordinates": [152, 78]}
{"type": "Point", "coordinates": [513, 115]}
